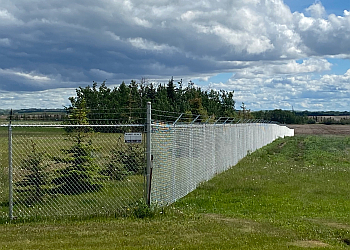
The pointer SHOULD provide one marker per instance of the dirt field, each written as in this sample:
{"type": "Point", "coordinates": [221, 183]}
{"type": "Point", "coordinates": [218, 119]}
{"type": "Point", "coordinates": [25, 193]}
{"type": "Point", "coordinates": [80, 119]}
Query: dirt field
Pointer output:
{"type": "Point", "coordinates": [320, 129]}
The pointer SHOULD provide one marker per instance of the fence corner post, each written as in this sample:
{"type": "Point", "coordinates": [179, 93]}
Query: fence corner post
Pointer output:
{"type": "Point", "coordinates": [148, 154]}
{"type": "Point", "coordinates": [10, 169]}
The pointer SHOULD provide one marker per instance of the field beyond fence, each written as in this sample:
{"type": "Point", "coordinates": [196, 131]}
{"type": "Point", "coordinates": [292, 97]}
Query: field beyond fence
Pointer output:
{"type": "Point", "coordinates": [92, 170]}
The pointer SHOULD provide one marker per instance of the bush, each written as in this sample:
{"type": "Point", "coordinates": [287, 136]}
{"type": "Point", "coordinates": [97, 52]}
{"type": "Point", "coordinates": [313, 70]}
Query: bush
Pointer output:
{"type": "Point", "coordinates": [115, 168]}
{"type": "Point", "coordinates": [124, 161]}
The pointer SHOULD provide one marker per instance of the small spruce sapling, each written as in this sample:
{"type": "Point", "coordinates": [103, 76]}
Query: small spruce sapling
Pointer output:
{"type": "Point", "coordinates": [35, 184]}
{"type": "Point", "coordinates": [81, 174]}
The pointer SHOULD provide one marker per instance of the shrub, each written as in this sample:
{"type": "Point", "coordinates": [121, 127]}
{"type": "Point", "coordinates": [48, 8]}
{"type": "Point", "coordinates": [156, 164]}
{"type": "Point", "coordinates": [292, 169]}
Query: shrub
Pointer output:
{"type": "Point", "coordinates": [125, 161]}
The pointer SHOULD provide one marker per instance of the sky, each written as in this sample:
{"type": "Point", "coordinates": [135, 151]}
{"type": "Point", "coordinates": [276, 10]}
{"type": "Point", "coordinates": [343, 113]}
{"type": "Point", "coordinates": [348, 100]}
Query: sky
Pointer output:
{"type": "Point", "coordinates": [274, 54]}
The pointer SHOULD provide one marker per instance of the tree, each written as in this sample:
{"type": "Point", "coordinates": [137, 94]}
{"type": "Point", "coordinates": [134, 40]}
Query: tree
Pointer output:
{"type": "Point", "coordinates": [282, 116]}
{"type": "Point", "coordinates": [227, 103]}
{"type": "Point", "coordinates": [81, 174]}
{"type": "Point", "coordinates": [123, 103]}
{"type": "Point", "coordinates": [125, 161]}
{"type": "Point", "coordinates": [244, 113]}
{"type": "Point", "coordinates": [35, 184]}
{"type": "Point", "coordinates": [197, 108]}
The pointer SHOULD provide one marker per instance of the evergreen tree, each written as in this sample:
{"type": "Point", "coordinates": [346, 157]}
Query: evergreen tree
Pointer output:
{"type": "Point", "coordinates": [35, 184]}
{"type": "Point", "coordinates": [123, 103]}
{"type": "Point", "coordinates": [125, 161]}
{"type": "Point", "coordinates": [80, 175]}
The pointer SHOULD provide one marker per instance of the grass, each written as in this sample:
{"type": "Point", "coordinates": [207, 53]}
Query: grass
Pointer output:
{"type": "Point", "coordinates": [3, 168]}
{"type": "Point", "coordinates": [291, 194]}
{"type": "Point", "coordinates": [114, 197]}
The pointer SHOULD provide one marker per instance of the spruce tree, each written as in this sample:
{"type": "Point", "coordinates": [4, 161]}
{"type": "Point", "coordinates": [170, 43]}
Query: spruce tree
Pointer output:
{"type": "Point", "coordinates": [81, 174]}
{"type": "Point", "coordinates": [34, 186]}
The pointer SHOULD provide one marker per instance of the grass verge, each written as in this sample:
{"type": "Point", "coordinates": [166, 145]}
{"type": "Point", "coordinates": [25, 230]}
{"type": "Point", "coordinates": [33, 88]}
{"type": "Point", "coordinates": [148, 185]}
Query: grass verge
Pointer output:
{"type": "Point", "coordinates": [291, 194]}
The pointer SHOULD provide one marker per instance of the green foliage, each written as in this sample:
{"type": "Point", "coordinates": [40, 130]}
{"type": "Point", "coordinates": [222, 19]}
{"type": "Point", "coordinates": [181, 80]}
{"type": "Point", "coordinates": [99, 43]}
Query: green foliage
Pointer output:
{"type": "Point", "coordinates": [303, 117]}
{"type": "Point", "coordinates": [279, 197]}
{"type": "Point", "coordinates": [81, 174]}
{"type": "Point", "coordinates": [142, 210]}
{"type": "Point", "coordinates": [244, 113]}
{"type": "Point", "coordinates": [35, 184]}
{"type": "Point", "coordinates": [323, 113]}
{"type": "Point", "coordinates": [115, 169]}
{"type": "Point", "coordinates": [77, 115]}
{"type": "Point", "coordinates": [281, 116]}
{"type": "Point", "coordinates": [332, 121]}
{"type": "Point", "coordinates": [123, 103]}
{"type": "Point", "coordinates": [124, 161]}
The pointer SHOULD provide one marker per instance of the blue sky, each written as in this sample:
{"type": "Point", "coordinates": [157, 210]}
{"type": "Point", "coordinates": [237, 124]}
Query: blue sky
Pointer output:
{"type": "Point", "coordinates": [271, 53]}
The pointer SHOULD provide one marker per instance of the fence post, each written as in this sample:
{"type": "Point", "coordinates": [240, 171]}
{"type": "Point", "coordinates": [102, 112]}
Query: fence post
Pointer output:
{"type": "Point", "coordinates": [148, 154]}
{"type": "Point", "coordinates": [10, 169]}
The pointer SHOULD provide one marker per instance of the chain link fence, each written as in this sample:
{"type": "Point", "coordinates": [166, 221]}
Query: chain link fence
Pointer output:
{"type": "Point", "coordinates": [67, 170]}
{"type": "Point", "coordinates": [107, 168]}
{"type": "Point", "coordinates": [186, 155]}
{"type": "Point", "coordinates": [4, 183]}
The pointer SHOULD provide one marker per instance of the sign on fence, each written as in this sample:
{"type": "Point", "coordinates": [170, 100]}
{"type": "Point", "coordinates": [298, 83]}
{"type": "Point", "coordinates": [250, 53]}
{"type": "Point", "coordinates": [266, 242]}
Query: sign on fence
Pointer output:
{"type": "Point", "coordinates": [133, 137]}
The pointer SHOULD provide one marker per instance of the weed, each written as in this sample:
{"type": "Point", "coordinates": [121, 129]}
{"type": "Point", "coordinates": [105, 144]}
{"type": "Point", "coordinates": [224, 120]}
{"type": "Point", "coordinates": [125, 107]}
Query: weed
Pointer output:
{"type": "Point", "coordinates": [142, 210]}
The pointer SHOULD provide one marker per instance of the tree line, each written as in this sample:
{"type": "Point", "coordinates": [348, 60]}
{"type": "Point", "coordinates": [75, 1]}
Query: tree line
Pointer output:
{"type": "Point", "coordinates": [282, 116]}
{"type": "Point", "coordinates": [125, 102]}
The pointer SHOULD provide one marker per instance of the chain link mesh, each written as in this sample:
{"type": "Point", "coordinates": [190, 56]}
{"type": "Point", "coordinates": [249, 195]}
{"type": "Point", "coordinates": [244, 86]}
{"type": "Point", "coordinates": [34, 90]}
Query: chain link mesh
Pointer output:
{"type": "Point", "coordinates": [64, 169]}
{"type": "Point", "coordinates": [186, 155]}
{"type": "Point", "coordinates": [74, 171]}
{"type": "Point", "coordinates": [4, 194]}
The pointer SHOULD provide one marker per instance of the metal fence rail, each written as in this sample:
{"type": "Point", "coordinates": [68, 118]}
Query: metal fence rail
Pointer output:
{"type": "Point", "coordinates": [186, 155]}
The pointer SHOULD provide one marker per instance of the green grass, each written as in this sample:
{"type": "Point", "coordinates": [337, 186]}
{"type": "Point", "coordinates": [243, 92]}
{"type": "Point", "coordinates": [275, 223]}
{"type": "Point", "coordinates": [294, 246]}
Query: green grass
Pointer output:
{"type": "Point", "coordinates": [3, 168]}
{"type": "Point", "coordinates": [291, 194]}
{"type": "Point", "coordinates": [114, 198]}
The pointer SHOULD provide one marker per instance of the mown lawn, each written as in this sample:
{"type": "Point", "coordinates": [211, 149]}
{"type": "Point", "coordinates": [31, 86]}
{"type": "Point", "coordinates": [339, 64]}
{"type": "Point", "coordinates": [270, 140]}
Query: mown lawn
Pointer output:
{"type": "Point", "coordinates": [291, 194]}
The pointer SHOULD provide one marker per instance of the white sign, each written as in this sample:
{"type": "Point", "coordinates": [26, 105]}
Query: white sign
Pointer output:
{"type": "Point", "coordinates": [133, 137]}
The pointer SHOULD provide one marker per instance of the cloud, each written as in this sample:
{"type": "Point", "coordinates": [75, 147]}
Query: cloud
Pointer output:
{"type": "Point", "coordinates": [300, 91]}
{"type": "Point", "coordinates": [136, 38]}
{"type": "Point", "coordinates": [317, 10]}
{"type": "Point", "coordinates": [48, 45]}
{"type": "Point", "coordinates": [5, 42]}
{"type": "Point", "coordinates": [323, 36]}
{"type": "Point", "coordinates": [49, 99]}
{"type": "Point", "coordinates": [262, 70]}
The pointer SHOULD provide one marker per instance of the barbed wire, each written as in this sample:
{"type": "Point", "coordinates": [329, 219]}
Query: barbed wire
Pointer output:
{"type": "Point", "coordinates": [119, 116]}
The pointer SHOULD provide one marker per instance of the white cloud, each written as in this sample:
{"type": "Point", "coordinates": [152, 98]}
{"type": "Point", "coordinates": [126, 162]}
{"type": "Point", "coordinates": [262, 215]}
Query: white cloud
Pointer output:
{"type": "Point", "coordinates": [317, 10]}
{"type": "Point", "coordinates": [328, 36]}
{"type": "Point", "coordinates": [25, 76]}
{"type": "Point", "coordinates": [57, 44]}
{"type": "Point", "coordinates": [141, 43]}
{"type": "Point", "coordinates": [7, 18]}
{"type": "Point", "coordinates": [263, 70]}
{"type": "Point", "coordinates": [302, 91]}
{"type": "Point", "coordinates": [54, 98]}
